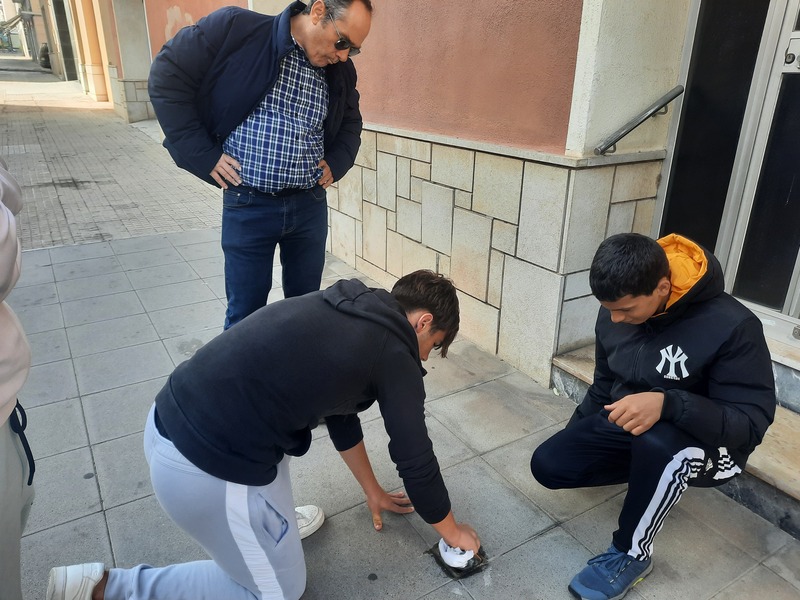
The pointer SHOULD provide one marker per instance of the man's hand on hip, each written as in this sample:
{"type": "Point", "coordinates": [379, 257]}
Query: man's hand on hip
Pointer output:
{"type": "Point", "coordinates": [327, 177]}
{"type": "Point", "coordinates": [226, 171]}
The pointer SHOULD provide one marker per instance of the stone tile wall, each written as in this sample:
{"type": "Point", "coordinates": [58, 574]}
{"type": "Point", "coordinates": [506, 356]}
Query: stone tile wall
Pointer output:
{"type": "Point", "coordinates": [131, 99]}
{"type": "Point", "coordinates": [515, 231]}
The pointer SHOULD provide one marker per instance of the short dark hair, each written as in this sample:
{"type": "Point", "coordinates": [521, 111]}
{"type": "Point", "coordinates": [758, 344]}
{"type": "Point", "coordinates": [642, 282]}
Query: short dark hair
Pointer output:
{"type": "Point", "coordinates": [337, 8]}
{"type": "Point", "coordinates": [627, 264]}
{"type": "Point", "coordinates": [435, 294]}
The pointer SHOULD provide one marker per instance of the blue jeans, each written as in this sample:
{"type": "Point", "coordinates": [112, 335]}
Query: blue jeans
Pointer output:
{"type": "Point", "coordinates": [253, 223]}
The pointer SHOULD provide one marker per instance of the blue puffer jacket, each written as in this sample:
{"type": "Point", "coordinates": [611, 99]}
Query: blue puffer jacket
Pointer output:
{"type": "Point", "coordinates": [208, 78]}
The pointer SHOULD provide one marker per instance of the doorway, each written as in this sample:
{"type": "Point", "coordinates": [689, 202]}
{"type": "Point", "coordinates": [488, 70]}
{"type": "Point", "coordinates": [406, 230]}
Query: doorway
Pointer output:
{"type": "Point", "coordinates": [733, 182]}
{"type": "Point", "coordinates": [763, 259]}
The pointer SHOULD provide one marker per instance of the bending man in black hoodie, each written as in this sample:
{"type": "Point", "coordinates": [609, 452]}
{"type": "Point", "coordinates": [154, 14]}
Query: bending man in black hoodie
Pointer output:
{"type": "Point", "coordinates": [682, 394]}
{"type": "Point", "coordinates": [221, 428]}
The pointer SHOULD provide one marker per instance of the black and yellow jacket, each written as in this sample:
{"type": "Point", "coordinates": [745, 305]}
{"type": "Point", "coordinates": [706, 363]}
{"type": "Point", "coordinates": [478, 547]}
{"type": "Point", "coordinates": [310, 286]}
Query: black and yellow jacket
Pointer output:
{"type": "Point", "coordinates": [706, 352]}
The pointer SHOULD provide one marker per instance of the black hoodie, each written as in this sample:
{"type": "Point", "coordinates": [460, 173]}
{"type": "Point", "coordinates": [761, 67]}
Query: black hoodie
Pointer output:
{"type": "Point", "coordinates": [706, 352]}
{"type": "Point", "coordinates": [254, 393]}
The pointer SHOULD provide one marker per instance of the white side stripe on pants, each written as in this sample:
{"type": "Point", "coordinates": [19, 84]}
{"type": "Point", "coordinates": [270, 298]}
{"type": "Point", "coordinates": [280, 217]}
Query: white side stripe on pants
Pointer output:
{"type": "Point", "coordinates": [674, 481]}
{"type": "Point", "coordinates": [238, 513]}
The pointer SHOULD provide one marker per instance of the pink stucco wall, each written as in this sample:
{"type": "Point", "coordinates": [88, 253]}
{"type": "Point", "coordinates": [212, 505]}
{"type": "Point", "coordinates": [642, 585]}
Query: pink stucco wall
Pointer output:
{"type": "Point", "coordinates": [498, 71]}
{"type": "Point", "coordinates": [166, 17]}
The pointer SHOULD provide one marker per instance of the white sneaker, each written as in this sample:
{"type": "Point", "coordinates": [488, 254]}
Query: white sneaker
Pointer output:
{"type": "Point", "coordinates": [309, 519]}
{"type": "Point", "coordinates": [75, 582]}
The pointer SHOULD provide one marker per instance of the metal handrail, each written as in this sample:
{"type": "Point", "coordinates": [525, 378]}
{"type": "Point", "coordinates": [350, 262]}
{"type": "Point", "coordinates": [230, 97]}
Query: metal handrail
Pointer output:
{"type": "Point", "coordinates": [659, 107]}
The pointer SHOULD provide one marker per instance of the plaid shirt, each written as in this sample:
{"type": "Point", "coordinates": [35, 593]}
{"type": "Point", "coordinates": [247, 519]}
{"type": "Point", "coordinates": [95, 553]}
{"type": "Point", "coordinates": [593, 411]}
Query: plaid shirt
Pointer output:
{"type": "Point", "coordinates": [281, 143]}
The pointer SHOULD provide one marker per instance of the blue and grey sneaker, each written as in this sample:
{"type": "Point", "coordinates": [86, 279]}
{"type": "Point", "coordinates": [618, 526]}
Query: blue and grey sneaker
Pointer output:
{"type": "Point", "coordinates": [609, 576]}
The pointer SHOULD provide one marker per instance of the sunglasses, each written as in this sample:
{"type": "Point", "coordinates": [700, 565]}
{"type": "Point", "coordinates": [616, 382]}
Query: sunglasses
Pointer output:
{"type": "Point", "coordinates": [343, 43]}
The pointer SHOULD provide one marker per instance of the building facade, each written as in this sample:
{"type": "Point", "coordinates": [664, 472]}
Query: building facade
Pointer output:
{"type": "Point", "coordinates": [479, 157]}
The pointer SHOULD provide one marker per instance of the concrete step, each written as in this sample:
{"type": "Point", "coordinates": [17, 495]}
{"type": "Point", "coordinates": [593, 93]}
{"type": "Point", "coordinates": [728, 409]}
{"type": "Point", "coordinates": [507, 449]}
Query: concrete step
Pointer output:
{"type": "Point", "coordinates": [770, 485]}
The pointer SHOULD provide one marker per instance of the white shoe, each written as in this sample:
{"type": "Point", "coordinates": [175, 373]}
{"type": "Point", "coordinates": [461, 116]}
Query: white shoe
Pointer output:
{"type": "Point", "coordinates": [75, 582]}
{"type": "Point", "coordinates": [309, 519]}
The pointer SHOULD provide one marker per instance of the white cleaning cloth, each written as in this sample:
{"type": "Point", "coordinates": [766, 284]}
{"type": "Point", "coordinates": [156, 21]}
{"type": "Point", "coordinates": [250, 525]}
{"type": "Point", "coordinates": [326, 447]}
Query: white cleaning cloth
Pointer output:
{"type": "Point", "coordinates": [455, 557]}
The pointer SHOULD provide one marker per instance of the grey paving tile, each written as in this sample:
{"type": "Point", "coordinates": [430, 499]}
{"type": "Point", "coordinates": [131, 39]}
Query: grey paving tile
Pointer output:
{"type": "Point", "coordinates": [79, 541]}
{"type": "Point", "coordinates": [149, 258]}
{"type": "Point", "coordinates": [122, 471]}
{"type": "Point", "coordinates": [366, 567]}
{"type": "Point", "coordinates": [101, 308]}
{"type": "Point", "coordinates": [163, 275]}
{"type": "Point", "coordinates": [209, 267]}
{"type": "Point", "coordinates": [186, 238]}
{"type": "Point", "coordinates": [680, 553]}
{"type": "Point", "coordinates": [513, 462]}
{"type": "Point", "coordinates": [86, 268]}
{"type": "Point", "coordinates": [321, 477]}
{"type": "Point", "coordinates": [203, 250]}
{"type": "Point", "coordinates": [142, 533]}
{"type": "Point", "coordinates": [121, 411]}
{"type": "Point", "coordinates": [335, 267]}
{"type": "Point", "coordinates": [489, 415]}
{"type": "Point", "coordinates": [116, 368]}
{"type": "Point", "coordinates": [36, 258]}
{"type": "Point", "coordinates": [35, 275]}
{"type": "Point", "coordinates": [64, 254]}
{"type": "Point", "coordinates": [90, 287]}
{"type": "Point", "coordinates": [326, 282]}
{"type": "Point", "coordinates": [275, 294]}
{"type": "Point", "coordinates": [56, 428]}
{"type": "Point", "coordinates": [558, 408]}
{"type": "Point", "coordinates": [785, 562]}
{"type": "Point", "coordinates": [183, 347]}
{"type": "Point", "coordinates": [50, 382]}
{"type": "Point", "coordinates": [217, 285]}
{"type": "Point", "coordinates": [48, 346]}
{"type": "Point", "coordinates": [140, 244]}
{"type": "Point", "coordinates": [71, 490]}
{"type": "Point", "coordinates": [448, 448]}
{"type": "Point", "coordinates": [464, 367]}
{"type": "Point", "coordinates": [110, 335]}
{"type": "Point", "coordinates": [742, 527]}
{"type": "Point", "coordinates": [446, 592]}
{"type": "Point", "coordinates": [540, 568]}
{"type": "Point", "coordinates": [32, 295]}
{"type": "Point", "coordinates": [759, 583]}
{"type": "Point", "coordinates": [35, 319]}
{"type": "Point", "coordinates": [277, 275]}
{"type": "Point", "coordinates": [181, 320]}
{"type": "Point", "coordinates": [176, 294]}
{"type": "Point", "coordinates": [503, 517]}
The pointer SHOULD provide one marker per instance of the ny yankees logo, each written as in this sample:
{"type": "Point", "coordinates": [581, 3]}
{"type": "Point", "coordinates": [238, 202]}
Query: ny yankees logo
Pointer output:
{"type": "Point", "coordinates": [676, 358]}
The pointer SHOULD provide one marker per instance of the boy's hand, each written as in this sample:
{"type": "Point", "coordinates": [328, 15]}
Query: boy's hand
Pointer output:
{"type": "Point", "coordinates": [396, 502]}
{"type": "Point", "coordinates": [466, 538]}
{"type": "Point", "coordinates": [636, 413]}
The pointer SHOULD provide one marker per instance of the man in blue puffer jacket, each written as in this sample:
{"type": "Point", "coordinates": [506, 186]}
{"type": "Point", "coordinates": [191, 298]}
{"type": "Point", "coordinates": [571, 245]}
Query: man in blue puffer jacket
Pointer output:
{"type": "Point", "coordinates": [266, 107]}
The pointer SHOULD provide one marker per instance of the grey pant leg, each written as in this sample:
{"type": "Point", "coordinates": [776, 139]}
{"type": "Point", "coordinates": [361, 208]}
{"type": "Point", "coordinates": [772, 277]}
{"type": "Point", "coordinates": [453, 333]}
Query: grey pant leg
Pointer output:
{"type": "Point", "coordinates": [16, 497]}
{"type": "Point", "coordinates": [250, 532]}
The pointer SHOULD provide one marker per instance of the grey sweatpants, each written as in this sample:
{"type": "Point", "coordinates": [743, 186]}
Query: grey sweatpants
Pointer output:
{"type": "Point", "coordinates": [16, 497]}
{"type": "Point", "coordinates": [250, 533]}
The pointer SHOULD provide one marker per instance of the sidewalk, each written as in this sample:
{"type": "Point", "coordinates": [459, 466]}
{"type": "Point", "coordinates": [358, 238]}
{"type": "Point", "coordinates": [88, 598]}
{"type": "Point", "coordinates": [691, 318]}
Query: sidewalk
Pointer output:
{"type": "Point", "coordinates": [122, 280]}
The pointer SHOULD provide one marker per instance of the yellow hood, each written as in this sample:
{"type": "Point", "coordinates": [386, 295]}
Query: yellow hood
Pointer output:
{"type": "Point", "coordinates": [687, 264]}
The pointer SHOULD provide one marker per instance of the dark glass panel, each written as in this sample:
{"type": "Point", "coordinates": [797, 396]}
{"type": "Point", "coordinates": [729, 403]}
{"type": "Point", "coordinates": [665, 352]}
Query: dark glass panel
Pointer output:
{"type": "Point", "coordinates": [723, 58]}
{"type": "Point", "coordinates": [773, 233]}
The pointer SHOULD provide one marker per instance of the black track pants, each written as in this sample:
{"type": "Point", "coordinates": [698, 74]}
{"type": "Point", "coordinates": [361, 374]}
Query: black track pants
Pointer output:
{"type": "Point", "coordinates": [658, 466]}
